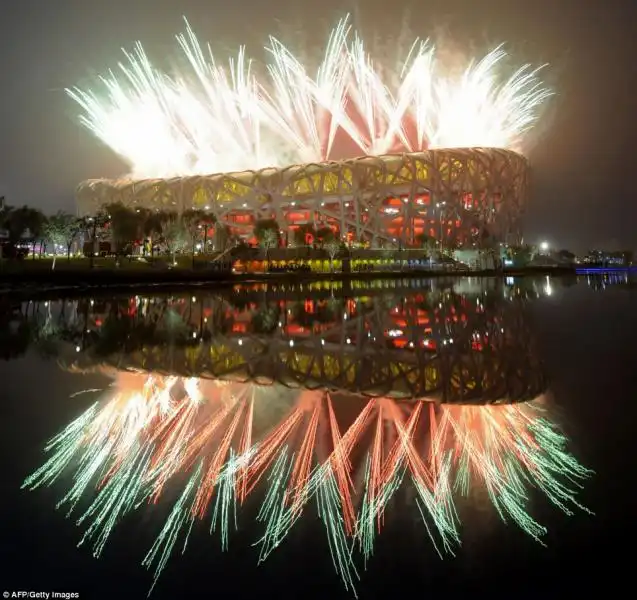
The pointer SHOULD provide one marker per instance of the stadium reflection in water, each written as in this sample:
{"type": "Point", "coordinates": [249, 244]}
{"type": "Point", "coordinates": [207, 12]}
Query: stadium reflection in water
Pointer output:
{"type": "Point", "coordinates": [314, 401]}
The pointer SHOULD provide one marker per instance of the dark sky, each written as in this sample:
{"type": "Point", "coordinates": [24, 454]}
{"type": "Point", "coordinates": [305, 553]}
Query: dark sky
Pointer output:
{"type": "Point", "coordinates": [583, 163]}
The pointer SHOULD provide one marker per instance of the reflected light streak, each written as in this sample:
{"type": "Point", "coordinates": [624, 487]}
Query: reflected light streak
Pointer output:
{"type": "Point", "coordinates": [193, 441]}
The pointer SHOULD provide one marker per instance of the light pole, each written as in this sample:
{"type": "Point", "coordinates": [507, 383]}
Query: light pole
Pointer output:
{"type": "Point", "coordinates": [440, 207]}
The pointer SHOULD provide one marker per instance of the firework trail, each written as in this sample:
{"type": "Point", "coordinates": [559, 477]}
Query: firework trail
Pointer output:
{"type": "Point", "coordinates": [159, 437]}
{"type": "Point", "coordinates": [506, 449]}
{"type": "Point", "coordinates": [219, 118]}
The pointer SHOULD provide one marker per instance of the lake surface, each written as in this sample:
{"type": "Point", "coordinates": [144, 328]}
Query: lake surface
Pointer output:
{"type": "Point", "coordinates": [388, 437]}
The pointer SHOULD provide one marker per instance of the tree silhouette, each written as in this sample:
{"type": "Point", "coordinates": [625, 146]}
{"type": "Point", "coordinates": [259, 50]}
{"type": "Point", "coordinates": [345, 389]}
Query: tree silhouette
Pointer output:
{"type": "Point", "coordinates": [62, 229]}
{"type": "Point", "coordinates": [126, 225]}
{"type": "Point", "coordinates": [18, 221]}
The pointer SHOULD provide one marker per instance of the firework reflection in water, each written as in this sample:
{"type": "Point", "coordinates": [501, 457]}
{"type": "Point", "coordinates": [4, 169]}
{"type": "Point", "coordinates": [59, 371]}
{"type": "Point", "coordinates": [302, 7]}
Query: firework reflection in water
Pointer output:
{"type": "Point", "coordinates": [152, 431]}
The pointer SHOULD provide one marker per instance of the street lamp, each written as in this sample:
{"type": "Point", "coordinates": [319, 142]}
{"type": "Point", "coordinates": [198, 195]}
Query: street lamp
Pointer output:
{"type": "Point", "coordinates": [544, 246]}
{"type": "Point", "coordinates": [439, 206]}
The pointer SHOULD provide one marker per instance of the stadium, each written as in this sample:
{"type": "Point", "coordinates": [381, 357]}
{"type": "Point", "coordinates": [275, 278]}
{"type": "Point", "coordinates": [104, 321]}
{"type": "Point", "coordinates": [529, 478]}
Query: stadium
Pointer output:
{"type": "Point", "coordinates": [457, 197]}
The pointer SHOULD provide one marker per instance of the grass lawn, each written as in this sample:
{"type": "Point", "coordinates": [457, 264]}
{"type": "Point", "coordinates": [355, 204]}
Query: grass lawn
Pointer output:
{"type": "Point", "coordinates": [29, 265]}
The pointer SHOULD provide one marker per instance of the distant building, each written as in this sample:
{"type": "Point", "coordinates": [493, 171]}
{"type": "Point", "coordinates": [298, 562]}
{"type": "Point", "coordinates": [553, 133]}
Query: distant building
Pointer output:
{"type": "Point", "coordinates": [608, 259]}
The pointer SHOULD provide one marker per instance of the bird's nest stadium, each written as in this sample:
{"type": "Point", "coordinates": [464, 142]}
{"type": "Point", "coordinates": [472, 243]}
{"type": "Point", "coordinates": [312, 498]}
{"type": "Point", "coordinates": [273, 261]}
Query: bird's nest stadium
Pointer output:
{"type": "Point", "coordinates": [461, 194]}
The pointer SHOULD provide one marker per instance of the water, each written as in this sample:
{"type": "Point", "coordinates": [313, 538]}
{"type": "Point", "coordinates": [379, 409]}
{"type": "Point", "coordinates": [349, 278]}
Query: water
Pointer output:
{"type": "Point", "coordinates": [458, 351]}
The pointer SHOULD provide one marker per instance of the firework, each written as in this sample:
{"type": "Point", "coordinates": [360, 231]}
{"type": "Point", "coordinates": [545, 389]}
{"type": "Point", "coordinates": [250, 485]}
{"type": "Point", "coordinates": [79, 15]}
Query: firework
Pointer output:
{"type": "Point", "coordinates": [217, 117]}
{"type": "Point", "coordinates": [196, 442]}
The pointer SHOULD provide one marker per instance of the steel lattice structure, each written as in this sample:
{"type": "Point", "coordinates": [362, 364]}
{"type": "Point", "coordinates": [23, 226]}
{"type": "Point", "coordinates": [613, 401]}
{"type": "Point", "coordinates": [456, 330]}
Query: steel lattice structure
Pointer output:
{"type": "Point", "coordinates": [449, 193]}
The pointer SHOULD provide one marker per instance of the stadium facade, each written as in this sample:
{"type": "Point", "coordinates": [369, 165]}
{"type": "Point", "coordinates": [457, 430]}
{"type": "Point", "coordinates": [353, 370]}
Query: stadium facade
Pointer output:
{"type": "Point", "coordinates": [462, 195]}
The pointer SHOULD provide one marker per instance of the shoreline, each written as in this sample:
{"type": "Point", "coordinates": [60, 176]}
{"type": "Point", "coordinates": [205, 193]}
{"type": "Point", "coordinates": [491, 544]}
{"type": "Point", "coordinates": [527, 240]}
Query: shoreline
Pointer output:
{"type": "Point", "coordinates": [80, 280]}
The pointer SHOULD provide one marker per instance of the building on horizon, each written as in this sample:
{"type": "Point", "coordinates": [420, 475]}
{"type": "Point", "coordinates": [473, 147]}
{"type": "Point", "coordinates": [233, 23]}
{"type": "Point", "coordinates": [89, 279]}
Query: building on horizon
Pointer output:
{"type": "Point", "coordinates": [618, 258]}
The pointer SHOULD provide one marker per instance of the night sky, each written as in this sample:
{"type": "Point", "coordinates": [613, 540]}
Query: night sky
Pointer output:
{"type": "Point", "coordinates": [582, 162]}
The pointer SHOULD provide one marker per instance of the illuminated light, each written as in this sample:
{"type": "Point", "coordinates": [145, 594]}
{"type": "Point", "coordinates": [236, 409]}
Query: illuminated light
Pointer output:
{"type": "Point", "coordinates": [548, 290]}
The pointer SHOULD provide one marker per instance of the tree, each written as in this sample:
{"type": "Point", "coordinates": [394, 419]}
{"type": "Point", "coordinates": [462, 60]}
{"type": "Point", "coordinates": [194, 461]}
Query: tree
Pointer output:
{"type": "Point", "coordinates": [266, 231]}
{"type": "Point", "coordinates": [11, 223]}
{"type": "Point", "coordinates": [93, 227]}
{"type": "Point", "coordinates": [19, 221]}
{"type": "Point", "coordinates": [126, 225]}
{"type": "Point", "coordinates": [521, 255]}
{"type": "Point", "coordinates": [150, 225]}
{"type": "Point", "coordinates": [303, 234]}
{"type": "Point", "coordinates": [174, 234]}
{"type": "Point", "coordinates": [208, 221]}
{"type": "Point", "coordinates": [450, 247]}
{"type": "Point", "coordinates": [221, 237]}
{"type": "Point", "coordinates": [324, 234]}
{"type": "Point", "coordinates": [264, 225]}
{"type": "Point", "coordinates": [488, 249]}
{"type": "Point", "coordinates": [269, 240]}
{"type": "Point", "coordinates": [566, 256]}
{"type": "Point", "coordinates": [61, 230]}
{"type": "Point", "coordinates": [333, 247]}
{"type": "Point", "coordinates": [426, 242]}
{"type": "Point", "coordinates": [196, 222]}
{"type": "Point", "coordinates": [35, 221]}
{"type": "Point", "coordinates": [266, 319]}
